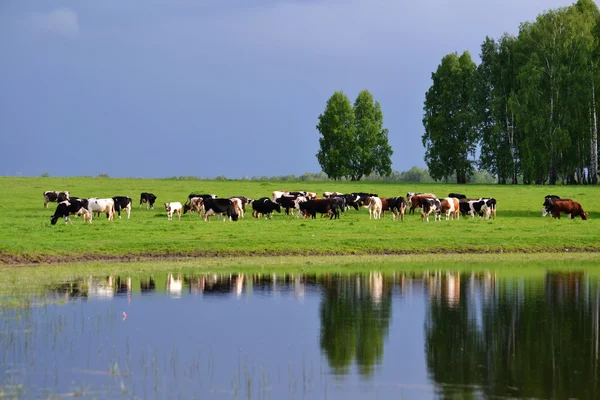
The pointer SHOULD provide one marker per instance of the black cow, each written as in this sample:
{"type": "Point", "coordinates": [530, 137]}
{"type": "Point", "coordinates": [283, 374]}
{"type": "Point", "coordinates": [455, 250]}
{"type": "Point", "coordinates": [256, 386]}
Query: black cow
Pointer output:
{"type": "Point", "coordinates": [265, 206]}
{"type": "Point", "coordinates": [287, 202]}
{"type": "Point", "coordinates": [68, 207]}
{"type": "Point", "coordinates": [122, 203]}
{"type": "Point", "coordinates": [457, 196]}
{"type": "Point", "coordinates": [321, 206]}
{"type": "Point", "coordinates": [219, 206]}
{"type": "Point", "coordinates": [148, 199]}
{"type": "Point", "coordinates": [397, 205]}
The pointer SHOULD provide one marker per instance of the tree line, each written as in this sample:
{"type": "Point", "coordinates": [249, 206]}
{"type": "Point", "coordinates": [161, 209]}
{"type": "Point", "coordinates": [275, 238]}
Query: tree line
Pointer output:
{"type": "Point", "coordinates": [528, 112]}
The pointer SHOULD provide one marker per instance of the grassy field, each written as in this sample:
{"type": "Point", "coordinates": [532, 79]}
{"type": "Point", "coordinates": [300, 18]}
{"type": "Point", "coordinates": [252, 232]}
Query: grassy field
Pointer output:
{"type": "Point", "coordinates": [26, 234]}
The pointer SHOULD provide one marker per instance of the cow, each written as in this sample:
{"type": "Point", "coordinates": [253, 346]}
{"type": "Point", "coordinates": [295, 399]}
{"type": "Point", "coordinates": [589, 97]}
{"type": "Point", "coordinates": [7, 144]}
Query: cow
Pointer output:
{"type": "Point", "coordinates": [287, 201]}
{"type": "Point", "coordinates": [148, 199]}
{"type": "Point", "coordinates": [173, 207]}
{"type": "Point", "coordinates": [96, 205]}
{"type": "Point", "coordinates": [321, 206]}
{"type": "Point", "coordinates": [451, 207]}
{"type": "Point", "coordinates": [457, 196]}
{"type": "Point", "coordinates": [568, 207]}
{"type": "Point", "coordinates": [353, 200]}
{"type": "Point", "coordinates": [428, 206]}
{"type": "Point", "coordinates": [397, 205]}
{"type": "Point", "coordinates": [71, 207]}
{"type": "Point", "coordinates": [53, 196]}
{"type": "Point", "coordinates": [265, 206]}
{"type": "Point", "coordinates": [238, 206]}
{"type": "Point", "coordinates": [327, 195]}
{"type": "Point", "coordinates": [375, 206]}
{"type": "Point", "coordinates": [547, 206]}
{"type": "Point", "coordinates": [213, 206]}
{"type": "Point", "coordinates": [277, 194]}
{"type": "Point", "coordinates": [245, 202]}
{"type": "Point", "coordinates": [416, 200]}
{"type": "Point", "coordinates": [122, 203]}
{"type": "Point", "coordinates": [480, 206]}
{"type": "Point", "coordinates": [192, 197]}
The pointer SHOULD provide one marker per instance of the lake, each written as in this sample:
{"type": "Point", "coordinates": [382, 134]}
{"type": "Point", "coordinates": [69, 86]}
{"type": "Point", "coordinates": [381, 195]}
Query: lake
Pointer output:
{"type": "Point", "coordinates": [402, 335]}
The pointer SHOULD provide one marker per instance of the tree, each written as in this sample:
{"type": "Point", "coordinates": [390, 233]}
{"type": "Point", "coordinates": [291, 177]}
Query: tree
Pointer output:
{"type": "Point", "coordinates": [336, 126]}
{"type": "Point", "coordinates": [449, 119]}
{"type": "Point", "coordinates": [371, 151]}
{"type": "Point", "coordinates": [353, 142]}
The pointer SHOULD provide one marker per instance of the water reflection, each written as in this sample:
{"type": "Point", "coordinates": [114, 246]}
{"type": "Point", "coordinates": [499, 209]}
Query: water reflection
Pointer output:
{"type": "Point", "coordinates": [482, 335]}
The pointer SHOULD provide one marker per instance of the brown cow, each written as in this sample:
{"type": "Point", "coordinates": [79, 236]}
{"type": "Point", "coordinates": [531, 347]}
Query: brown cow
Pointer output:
{"type": "Point", "coordinates": [570, 207]}
{"type": "Point", "coordinates": [416, 200]}
{"type": "Point", "coordinates": [451, 207]}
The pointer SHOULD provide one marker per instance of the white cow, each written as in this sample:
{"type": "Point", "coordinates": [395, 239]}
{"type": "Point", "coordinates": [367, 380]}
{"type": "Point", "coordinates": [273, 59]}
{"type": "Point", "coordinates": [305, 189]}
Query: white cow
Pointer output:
{"type": "Point", "coordinates": [374, 205]}
{"type": "Point", "coordinates": [173, 207]}
{"type": "Point", "coordinates": [96, 205]}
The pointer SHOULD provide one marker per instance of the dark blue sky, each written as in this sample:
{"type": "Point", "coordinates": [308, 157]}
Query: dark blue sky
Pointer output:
{"type": "Point", "coordinates": [158, 88]}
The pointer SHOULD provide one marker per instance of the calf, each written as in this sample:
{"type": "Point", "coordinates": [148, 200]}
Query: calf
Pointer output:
{"type": "Point", "coordinates": [53, 196]}
{"type": "Point", "coordinates": [122, 203]}
{"type": "Point", "coordinates": [219, 206]}
{"type": "Point", "coordinates": [428, 206]}
{"type": "Point", "coordinates": [265, 206]}
{"type": "Point", "coordinates": [568, 207]}
{"type": "Point", "coordinates": [102, 206]}
{"type": "Point", "coordinates": [148, 199]}
{"type": "Point", "coordinates": [74, 207]}
{"type": "Point", "coordinates": [171, 208]}
{"type": "Point", "coordinates": [451, 207]}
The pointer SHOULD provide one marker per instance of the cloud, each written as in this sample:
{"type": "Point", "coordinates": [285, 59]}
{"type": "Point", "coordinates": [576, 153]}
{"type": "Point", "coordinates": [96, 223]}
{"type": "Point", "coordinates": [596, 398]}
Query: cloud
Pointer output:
{"type": "Point", "coordinates": [62, 21]}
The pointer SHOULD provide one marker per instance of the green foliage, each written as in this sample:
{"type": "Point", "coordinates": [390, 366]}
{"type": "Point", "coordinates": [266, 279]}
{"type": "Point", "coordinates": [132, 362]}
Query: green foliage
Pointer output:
{"type": "Point", "coordinates": [353, 141]}
{"type": "Point", "coordinates": [450, 135]}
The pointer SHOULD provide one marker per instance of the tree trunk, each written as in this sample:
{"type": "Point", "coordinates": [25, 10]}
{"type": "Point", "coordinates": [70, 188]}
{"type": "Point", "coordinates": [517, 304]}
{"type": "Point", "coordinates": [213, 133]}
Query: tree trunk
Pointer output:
{"type": "Point", "coordinates": [593, 171]}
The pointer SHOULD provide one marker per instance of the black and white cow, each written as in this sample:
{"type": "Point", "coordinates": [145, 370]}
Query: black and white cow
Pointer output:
{"type": "Point", "coordinates": [547, 206]}
{"type": "Point", "coordinates": [51, 196]}
{"type": "Point", "coordinates": [481, 207]}
{"type": "Point", "coordinates": [122, 203]}
{"type": "Point", "coordinates": [148, 199]}
{"type": "Point", "coordinates": [288, 201]}
{"type": "Point", "coordinates": [219, 206]}
{"type": "Point", "coordinates": [71, 207]}
{"type": "Point", "coordinates": [428, 206]}
{"type": "Point", "coordinates": [265, 206]}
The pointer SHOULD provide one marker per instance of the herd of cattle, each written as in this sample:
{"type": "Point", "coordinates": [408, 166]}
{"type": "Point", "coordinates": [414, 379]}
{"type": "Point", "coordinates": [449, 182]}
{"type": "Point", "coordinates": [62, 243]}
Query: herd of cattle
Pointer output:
{"type": "Point", "coordinates": [301, 204]}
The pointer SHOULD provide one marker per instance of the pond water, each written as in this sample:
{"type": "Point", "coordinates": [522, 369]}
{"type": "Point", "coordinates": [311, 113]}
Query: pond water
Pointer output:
{"type": "Point", "coordinates": [412, 335]}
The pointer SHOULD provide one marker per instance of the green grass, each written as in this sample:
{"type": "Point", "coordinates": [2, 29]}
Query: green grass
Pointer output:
{"type": "Point", "coordinates": [27, 236]}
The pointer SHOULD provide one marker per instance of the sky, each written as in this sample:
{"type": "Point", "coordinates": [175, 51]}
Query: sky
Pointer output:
{"type": "Point", "coordinates": [161, 88]}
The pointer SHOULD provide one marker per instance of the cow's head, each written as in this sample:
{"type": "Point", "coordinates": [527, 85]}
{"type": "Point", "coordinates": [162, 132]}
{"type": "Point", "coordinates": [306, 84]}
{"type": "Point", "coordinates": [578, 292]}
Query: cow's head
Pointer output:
{"type": "Point", "coordinates": [167, 207]}
{"type": "Point", "coordinates": [53, 219]}
{"type": "Point", "coordinates": [186, 207]}
{"type": "Point", "coordinates": [585, 216]}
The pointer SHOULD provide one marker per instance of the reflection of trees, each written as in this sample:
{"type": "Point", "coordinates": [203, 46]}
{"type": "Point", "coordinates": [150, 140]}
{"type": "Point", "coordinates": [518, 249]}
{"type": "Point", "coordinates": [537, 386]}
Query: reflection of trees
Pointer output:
{"type": "Point", "coordinates": [355, 313]}
{"type": "Point", "coordinates": [538, 339]}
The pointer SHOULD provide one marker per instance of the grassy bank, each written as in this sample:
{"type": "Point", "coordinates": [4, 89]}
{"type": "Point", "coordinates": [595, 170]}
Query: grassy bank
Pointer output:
{"type": "Point", "coordinates": [26, 234]}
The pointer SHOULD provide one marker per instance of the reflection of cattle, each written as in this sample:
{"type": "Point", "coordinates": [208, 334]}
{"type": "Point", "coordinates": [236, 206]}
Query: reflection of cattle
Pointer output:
{"type": "Point", "coordinates": [51, 196]}
{"type": "Point", "coordinates": [568, 207]}
{"type": "Point", "coordinates": [174, 285]}
{"type": "Point", "coordinates": [71, 207]}
{"type": "Point", "coordinates": [101, 289]}
{"type": "Point", "coordinates": [147, 285]}
{"type": "Point", "coordinates": [148, 199]}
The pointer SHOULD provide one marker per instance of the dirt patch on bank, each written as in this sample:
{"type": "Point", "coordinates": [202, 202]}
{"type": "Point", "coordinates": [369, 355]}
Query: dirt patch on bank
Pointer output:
{"type": "Point", "coordinates": [46, 259]}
